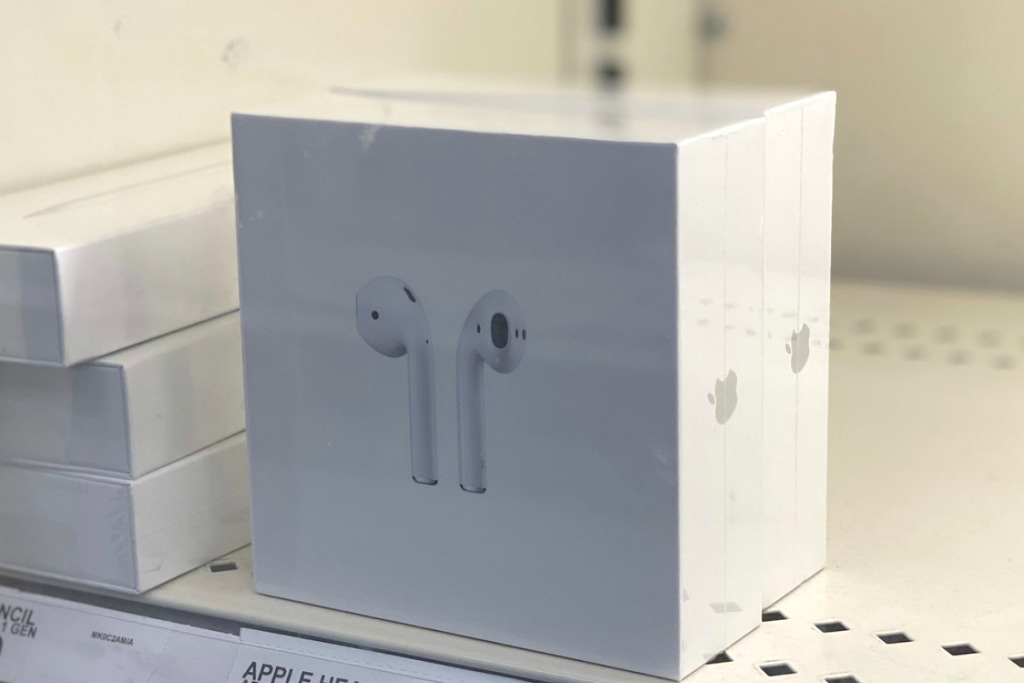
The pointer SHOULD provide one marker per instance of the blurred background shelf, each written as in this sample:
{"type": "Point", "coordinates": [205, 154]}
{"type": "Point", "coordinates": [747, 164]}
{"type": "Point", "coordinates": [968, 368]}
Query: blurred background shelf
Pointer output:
{"type": "Point", "coordinates": [926, 495]}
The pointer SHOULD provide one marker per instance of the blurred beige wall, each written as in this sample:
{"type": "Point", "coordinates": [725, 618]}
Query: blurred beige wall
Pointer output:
{"type": "Point", "coordinates": [930, 137]}
{"type": "Point", "coordinates": [89, 83]}
{"type": "Point", "coordinates": [86, 84]}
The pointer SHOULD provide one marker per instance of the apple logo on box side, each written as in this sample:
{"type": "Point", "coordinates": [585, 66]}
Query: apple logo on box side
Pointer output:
{"type": "Point", "coordinates": [724, 399]}
{"type": "Point", "coordinates": [799, 349]}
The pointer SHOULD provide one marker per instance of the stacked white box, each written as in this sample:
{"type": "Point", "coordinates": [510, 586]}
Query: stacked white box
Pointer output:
{"type": "Point", "coordinates": [605, 533]}
{"type": "Point", "coordinates": [129, 413]}
{"type": "Point", "coordinates": [122, 462]}
{"type": "Point", "coordinates": [125, 535]}
{"type": "Point", "coordinates": [97, 264]}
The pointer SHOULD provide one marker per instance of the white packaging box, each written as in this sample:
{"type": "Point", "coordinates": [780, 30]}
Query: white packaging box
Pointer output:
{"type": "Point", "coordinates": [124, 535]}
{"type": "Point", "coordinates": [799, 133]}
{"type": "Point", "coordinates": [800, 128]}
{"type": "Point", "coordinates": [603, 531]}
{"type": "Point", "coordinates": [129, 413]}
{"type": "Point", "coordinates": [94, 265]}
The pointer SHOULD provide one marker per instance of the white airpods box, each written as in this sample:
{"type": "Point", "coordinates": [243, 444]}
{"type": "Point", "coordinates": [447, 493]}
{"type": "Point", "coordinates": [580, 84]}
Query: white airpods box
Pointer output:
{"type": "Point", "coordinates": [124, 535]}
{"type": "Point", "coordinates": [797, 265]}
{"type": "Point", "coordinates": [129, 413]}
{"type": "Point", "coordinates": [568, 487]}
{"type": "Point", "coordinates": [797, 280]}
{"type": "Point", "coordinates": [96, 264]}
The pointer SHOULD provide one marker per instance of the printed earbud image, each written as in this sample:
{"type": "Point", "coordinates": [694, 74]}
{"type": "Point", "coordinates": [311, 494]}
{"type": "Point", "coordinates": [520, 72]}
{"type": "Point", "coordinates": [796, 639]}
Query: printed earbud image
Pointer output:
{"type": "Point", "coordinates": [495, 334]}
{"type": "Point", "coordinates": [391, 319]}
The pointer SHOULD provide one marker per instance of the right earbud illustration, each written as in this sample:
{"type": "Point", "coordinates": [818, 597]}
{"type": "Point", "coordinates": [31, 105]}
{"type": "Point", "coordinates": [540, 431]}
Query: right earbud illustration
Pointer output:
{"type": "Point", "coordinates": [494, 334]}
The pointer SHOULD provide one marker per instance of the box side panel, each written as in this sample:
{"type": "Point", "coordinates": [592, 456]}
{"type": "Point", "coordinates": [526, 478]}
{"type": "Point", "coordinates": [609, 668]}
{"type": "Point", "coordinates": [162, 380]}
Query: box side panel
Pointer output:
{"type": "Point", "coordinates": [783, 145]}
{"type": "Point", "coordinates": [815, 271]}
{"type": "Point", "coordinates": [187, 395]}
{"type": "Point", "coordinates": [191, 512]}
{"type": "Point", "coordinates": [744, 254]}
{"type": "Point", "coordinates": [67, 527]}
{"type": "Point", "coordinates": [705, 395]}
{"type": "Point", "coordinates": [573, 546]}
{"type": "Point", "coordinates": [71, 417]}
{"type": "Point", "coordinates": [141, 284]}
{"type": "Point", "coordinates": [29, 308]}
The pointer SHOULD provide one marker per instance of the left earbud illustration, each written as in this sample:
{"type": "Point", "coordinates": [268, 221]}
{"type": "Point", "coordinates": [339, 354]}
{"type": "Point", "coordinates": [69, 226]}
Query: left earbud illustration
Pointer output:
{"type": "Point", "coordinates": [494, 333]}
{"type": "Point", "coordinates": [391, 319]}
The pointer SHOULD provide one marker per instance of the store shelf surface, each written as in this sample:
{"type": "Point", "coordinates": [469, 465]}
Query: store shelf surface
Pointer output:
{"type": "Point", "coordinates": [926, 498]}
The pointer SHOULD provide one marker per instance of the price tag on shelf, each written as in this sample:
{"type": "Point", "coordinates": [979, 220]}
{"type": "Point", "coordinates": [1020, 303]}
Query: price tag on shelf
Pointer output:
{"type": "Point", "coordinates": [270, 658]}
{"type": "Point", "coordinates": [48, 640]}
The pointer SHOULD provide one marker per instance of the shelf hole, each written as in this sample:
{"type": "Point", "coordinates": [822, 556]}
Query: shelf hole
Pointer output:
{"type": "Point", "coordinates": [989, 338]}
{"type": "Point", "coordinates": [874, 348]}
{"type": "Point", "coordinates": [895, 638]}
{"type": "Point", "coordinates": [1003, 362]}
{"type": "Point", "coordinates": [959, 357]}
{"type": "Point", "coordinates": [906, 330]}
{"type": "Point", "coordinates": [721, 658]}
{"type": "Point", "coordinates": [843, 678]}
{"type": "Point", "coordinates": [776, 669]}
{"type": "Point", "coordinates": [831, 626]}
{"type": "Point", "coordinates": [946, 334]}
{"type": "Point", "coordinates": [915, 353]}
{"type": "Point", "coordinates": [773, 615]}
{"type": "Point", "coordinates": [1019, 661]}
{"type": "Point", "coordinates": [864, 325]}
{"type": "Point", "coordinates": [218, 567]}
{"type": "Point", "coordinates": [960, 649]}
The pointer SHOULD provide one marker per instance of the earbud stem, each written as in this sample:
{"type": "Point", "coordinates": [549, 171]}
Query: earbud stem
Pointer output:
{"type": "Point", "coordinates": [470, 399]}
{"type": "Point", "coordinates": [422, 431]}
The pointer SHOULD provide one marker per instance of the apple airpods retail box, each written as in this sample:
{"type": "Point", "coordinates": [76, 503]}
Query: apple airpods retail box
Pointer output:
{"type": "Point", "coordinates": [797, 296]}
{"type": "Point", "coordinates": [129, 413]}
{"type": "Point", "coordinates": [800, 128]}
{"type": "Point", "coordinates": [125, 535]}
{"type": "Point", "coordinates": [94, 265]}
{"type": "Point", "coordinates": [499, 365]}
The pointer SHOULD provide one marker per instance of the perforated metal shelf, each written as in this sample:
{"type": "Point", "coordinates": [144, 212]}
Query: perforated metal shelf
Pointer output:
{"type": "Point", "coordinates": [925, 577]}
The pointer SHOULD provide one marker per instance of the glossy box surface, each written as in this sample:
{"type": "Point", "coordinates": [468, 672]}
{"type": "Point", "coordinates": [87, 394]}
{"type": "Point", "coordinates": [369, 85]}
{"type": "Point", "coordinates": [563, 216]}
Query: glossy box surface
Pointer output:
{"type": "Point", "coordinates": [131, 412]}
{"type": "Point", "coordinates": [122, 535]}
{"type": "Point", "coordinates": [602, 532]}
{"type": "Point", "coordinates": [96, 264]}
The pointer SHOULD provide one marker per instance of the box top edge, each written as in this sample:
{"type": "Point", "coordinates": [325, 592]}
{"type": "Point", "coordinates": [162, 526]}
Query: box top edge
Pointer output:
{"type": "Point", "coordinates": [88, 209]}
{"type": "Point", "coordinates": [488, 117]}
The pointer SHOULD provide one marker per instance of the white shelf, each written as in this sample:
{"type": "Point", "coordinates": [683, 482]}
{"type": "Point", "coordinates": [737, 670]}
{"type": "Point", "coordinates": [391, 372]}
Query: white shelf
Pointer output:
{"type": "Point", "coordinates": [925, 497]}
